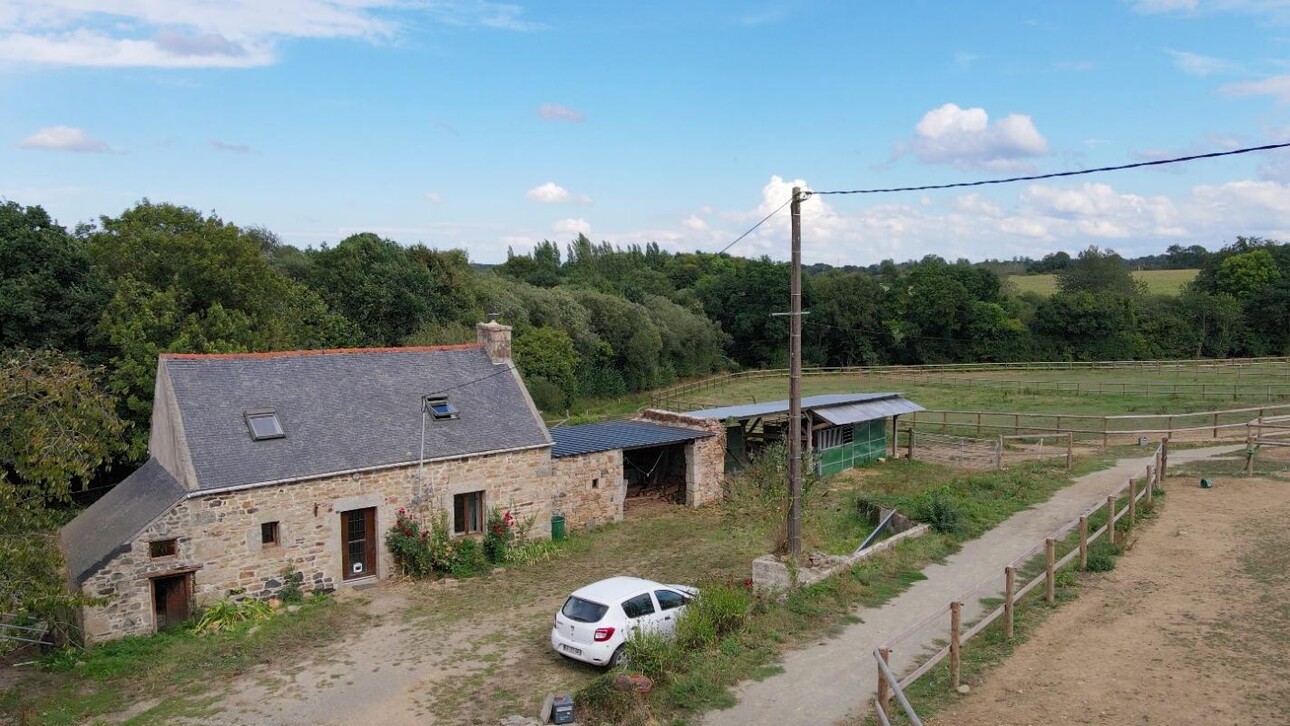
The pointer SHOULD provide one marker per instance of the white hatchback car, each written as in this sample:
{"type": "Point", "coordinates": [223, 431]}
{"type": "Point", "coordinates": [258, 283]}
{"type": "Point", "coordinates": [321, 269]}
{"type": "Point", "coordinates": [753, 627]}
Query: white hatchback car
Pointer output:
{"type": "Point", "coordinates": [598, 619]}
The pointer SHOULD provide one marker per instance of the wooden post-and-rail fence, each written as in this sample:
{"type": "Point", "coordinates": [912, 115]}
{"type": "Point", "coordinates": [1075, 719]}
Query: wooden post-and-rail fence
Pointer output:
{"type": "Point", "coordinates": [890, 687]}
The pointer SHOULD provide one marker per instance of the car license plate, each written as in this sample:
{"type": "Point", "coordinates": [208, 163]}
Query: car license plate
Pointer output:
{"type": "Point", "coordinates": [571, 649]}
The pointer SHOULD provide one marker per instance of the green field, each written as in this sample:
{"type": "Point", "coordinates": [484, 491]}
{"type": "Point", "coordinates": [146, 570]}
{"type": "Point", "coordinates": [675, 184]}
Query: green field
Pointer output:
{"type": "Point", "coordinates": [1001, 392]}
{"type": "Point", "coordinates": [1159, 282]}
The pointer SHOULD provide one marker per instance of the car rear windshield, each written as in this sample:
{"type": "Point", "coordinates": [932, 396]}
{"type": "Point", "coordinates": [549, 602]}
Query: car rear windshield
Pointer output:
{"type": "Point", "coordinates": [584, 611]}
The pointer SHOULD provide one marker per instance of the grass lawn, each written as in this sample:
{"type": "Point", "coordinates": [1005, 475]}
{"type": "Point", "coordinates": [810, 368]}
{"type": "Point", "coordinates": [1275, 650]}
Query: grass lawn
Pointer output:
{"type": "Point", "coordinates": [1159, 282]}
{"type": "Point", "coordinates": [170, 675]}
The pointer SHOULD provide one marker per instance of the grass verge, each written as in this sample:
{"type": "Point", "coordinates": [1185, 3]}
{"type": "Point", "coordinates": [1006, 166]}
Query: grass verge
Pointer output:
{"type": "Point", "coordinates": [172, 673]}
{"type": "Point", "coordinates": [691, 681]}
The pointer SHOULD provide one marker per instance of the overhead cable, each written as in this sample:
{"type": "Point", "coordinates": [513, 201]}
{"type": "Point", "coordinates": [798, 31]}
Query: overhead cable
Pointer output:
{"type": "Point", "coordinates": [1053, 175]}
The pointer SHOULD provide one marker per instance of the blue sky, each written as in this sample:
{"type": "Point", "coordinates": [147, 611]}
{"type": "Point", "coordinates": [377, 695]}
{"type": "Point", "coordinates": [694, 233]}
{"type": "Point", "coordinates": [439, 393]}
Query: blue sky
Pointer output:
{"type": "Point", "coordinates": [483, 126]}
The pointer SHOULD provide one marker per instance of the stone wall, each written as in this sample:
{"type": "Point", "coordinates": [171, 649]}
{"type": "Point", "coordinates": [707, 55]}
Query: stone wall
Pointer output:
{"type": "Point", "coordinates": [705, 458]}
{"type": "Point", "coordinates": [218, 535]}
{"type": "Point", "coordinates": [590, 489]}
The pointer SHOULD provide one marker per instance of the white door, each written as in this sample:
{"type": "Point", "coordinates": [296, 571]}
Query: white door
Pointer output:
{"type": "Point", "coordinates": [670, 606]}
{"type": "Point", "coordinates": [642, 614]}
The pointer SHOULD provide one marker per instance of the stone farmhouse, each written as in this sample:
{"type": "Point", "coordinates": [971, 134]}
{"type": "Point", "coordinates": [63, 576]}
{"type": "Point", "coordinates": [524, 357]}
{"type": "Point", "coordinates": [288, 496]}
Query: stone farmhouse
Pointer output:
{"type": "Point", "coordinates": [264, 461]}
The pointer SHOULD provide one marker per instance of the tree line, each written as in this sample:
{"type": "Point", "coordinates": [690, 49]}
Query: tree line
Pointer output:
{"type": "Point", "coordinates": [85, 312]}
{"type": "Point", "coordinates": [591, 320]}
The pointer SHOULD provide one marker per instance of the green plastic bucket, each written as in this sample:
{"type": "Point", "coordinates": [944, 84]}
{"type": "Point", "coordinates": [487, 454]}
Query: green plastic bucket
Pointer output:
{"type": "Point", "coordinates": [557, 526]}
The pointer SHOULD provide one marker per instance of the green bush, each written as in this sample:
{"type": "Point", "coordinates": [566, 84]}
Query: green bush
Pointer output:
{"type": "Point", "coordinates": [609, 704]}
{"type": "Point", "coordinates": [292, 591]}
{"type": "Point", "coordinates": [228, 614]}
{"type": "Point", "coordinates": [654, 655]}
{"type": "Point", "coordinates": [419, 552]}
{"type": "Point", "coordinates": [942, 511]}
{"type": "Point", "coordinates": [1101, 557]}
{"type": "Point", "coordinates": [718, 611]}
{"type": "Point", "coordinates": [470, 560]}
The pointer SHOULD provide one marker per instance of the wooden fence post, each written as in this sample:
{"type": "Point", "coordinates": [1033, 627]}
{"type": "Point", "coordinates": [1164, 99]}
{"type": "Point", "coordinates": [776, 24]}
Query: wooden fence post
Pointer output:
{"type": "Point", "coordinates": [1070, 449]}
{"type": "Point", "coordinates": [1164, 460]}
{"type": "Point", "coordinates": [998, 454]}
{"type": "Point", "coordinates": [1009, 582]}
{"type": "Point", "coordinates": [1110, 519]}
{"type": "Point", "coordinates": [912, 435]}
{"type": "Point", "coordinates": [956, 624]}
{"type": "Point", "coordinates": [1216, 426]}
{"type": "Point", "coordinates": [1050, 576]}
{"type": "Point", "coordinates": [1249, 456]}
{"type": "Point", "coordinates": [883, 695]}
{"type": "Point", "coordinates": [978, 423]}
{"type": "Point", "coordinates": [1151, 482]}
{"type": "Point", "coordinates": [1083, 543]}
{"type": "Point", "coordinates": [1133, 502]}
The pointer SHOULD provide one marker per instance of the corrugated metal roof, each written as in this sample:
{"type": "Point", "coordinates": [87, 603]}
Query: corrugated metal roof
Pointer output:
{"type": "Point", "coordinates": [610, 435]}
{"type": "Point", "coordinates": [752, 410]}
{"type": "Point", "coordinates": [866, 411]}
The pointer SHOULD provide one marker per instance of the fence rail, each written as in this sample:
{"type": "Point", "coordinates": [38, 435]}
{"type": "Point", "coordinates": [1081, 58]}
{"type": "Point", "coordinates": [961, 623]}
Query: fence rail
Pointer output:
{"type": "Point", "coordinates": [1268, 367]}
{"type": "Point", "coordinates": [1228, 423]}
{"type": "Point", "coordinates": [1154, 474]}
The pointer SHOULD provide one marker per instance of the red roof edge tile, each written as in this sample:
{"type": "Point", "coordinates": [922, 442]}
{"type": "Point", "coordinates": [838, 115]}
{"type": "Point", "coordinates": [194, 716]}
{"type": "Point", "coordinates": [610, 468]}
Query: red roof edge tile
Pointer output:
{"type": "Point", "coordinates": [326, 351]}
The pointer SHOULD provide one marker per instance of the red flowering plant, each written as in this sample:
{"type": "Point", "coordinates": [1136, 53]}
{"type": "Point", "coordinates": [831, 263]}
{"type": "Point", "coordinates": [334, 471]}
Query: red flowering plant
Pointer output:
{"type": "Point", "coordinates": [499, 534]}
{"type": "Point", "coordinates": [421, 552]}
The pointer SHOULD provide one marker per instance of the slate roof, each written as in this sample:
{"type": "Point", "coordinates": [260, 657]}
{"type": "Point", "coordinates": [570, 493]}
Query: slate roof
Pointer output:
{"type": "Point", "coordinates": [107, 526]}
{"type": "Point", "coordinates": [610, 435]}
{"type": "Point", "coordinates": [770, 408]}
{"type": "Point", "coordinates": [344, 410]}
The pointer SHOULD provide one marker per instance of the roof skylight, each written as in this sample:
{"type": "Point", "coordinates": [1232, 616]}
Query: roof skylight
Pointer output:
{"type": "Point", "coordinates": [439, 408]}
{"type": "Point", "coordinates": [264, 424]}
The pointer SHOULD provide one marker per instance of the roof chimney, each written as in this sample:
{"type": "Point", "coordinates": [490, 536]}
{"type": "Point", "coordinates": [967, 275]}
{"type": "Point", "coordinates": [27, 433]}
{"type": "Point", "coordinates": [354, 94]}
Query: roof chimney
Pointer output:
{"type": "Point", "coordinates": [496, 339]}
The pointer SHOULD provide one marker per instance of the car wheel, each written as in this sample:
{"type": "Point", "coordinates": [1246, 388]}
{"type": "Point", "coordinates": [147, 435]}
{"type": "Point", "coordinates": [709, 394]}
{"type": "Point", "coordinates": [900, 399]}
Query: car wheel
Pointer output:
{"type": "Point", "coordinates": [619, 658]}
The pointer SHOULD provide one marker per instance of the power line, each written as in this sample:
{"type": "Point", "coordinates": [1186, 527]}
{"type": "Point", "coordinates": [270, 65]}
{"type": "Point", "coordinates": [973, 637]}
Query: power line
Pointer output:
{"type": "Point", "coordinates": [753, 228]}
{"type": "Point", "coordinates": [1053, 175]}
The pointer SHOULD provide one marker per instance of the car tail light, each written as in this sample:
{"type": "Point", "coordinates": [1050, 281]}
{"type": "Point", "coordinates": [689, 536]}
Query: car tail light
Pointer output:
{"type": "Point", "coordinates": [603, 634]}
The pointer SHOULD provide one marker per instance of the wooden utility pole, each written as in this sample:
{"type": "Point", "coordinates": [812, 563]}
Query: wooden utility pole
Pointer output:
{"type": "Point", "coordinates": [795, 383]}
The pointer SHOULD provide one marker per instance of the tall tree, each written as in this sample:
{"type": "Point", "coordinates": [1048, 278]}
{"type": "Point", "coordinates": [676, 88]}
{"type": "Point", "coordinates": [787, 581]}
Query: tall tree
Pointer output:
{"type": "Point", "coordinates": [57, 428]}
{"type": "Point", "coordinates": [188, 282]}
{"type": "Point", "coordinates": [50, 291]}
{"type": "Point", "coordinates": [1097, 271]}
{"type": "Point", "coordinates": [377, 284]}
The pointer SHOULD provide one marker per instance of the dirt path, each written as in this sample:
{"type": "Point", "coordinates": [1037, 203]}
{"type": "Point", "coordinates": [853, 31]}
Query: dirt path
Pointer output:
{"type": "Point", "coordinates": [1192, 627]}
{"type": "Point", "coordinates": [827, 682]}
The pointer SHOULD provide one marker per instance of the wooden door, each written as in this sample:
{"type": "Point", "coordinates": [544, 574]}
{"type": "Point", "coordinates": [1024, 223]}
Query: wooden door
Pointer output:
{"type": "Point", "coordinates": [171, 601]}
{"type": "Point", "coordinates": [358, 543]}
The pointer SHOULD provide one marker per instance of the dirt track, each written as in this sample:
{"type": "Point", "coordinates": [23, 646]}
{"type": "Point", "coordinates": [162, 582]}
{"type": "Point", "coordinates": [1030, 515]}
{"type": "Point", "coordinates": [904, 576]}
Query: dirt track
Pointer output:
{"type": "Point", "coordinates": [1192, 627]}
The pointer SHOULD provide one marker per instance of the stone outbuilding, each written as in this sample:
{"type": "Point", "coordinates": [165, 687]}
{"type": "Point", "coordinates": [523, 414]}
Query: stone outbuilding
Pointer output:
{"type": "Point", "coordinates": [264, 462]}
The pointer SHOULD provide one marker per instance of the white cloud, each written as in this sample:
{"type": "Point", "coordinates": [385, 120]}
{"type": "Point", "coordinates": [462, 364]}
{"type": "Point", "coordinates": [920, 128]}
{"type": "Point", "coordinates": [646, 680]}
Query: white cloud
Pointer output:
{"type": "Point", "coordinates": [1200, 65]}
{"type": "Point", "coordinates": [556, 112]}
{"type": "Point", "coordinates": [695, 224]}
{"type": "Point", "coordinates": [552, 193]}
{"type": "Point", "coordinates": [1164, 6]}
{"type": "Point", "coordinates": [1275, 86]}
{"type": "Point", "coordinates": [64, 138]}
{"type": "Point", "coordinates": [432, 197]}
{"type": "Point", "coordinates": [966, 138]}
{"type": "Point", "coordinates": [203, 34]}
{"type": "Point", "coordinates": [1277, 11]}
{"type": "Point", "coordinates": [572, 227]}
{"type": "Point", "coordinates": [963, 60]}
{"type": "Point", "coordinates": [219, 145]}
